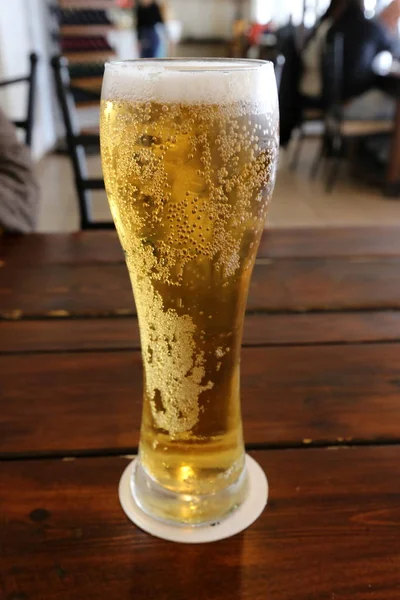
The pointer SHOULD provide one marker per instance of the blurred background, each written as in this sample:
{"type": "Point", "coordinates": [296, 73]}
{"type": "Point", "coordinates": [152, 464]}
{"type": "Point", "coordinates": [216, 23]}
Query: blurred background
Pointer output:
{"type": "Point", "coordinates": [339, 84]}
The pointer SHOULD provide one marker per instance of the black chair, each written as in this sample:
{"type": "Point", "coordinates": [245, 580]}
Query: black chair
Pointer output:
{"type": "Point", "coordinates": [308, 115]}
{"type": "Point", "coordinates": [78, 143]}
{"type": "Point", "coordinates": [27, 123]}
{"type": "Point", "coordinates": [341, 133]}
{"type": "Point", "coordinates": [304, 112]}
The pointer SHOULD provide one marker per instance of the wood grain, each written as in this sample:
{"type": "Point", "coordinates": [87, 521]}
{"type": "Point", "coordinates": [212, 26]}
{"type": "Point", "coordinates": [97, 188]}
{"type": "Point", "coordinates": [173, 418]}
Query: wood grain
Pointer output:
{"type": "Point", "coordinates": [331, 531]}
{"type": "Point", "coordinates": [72, 386]}
{"type": "Point", "coordinates": [103, 246]}
{"type": "Point", "coordinates": [63, 334]}
{"type": "Point", "coordinates": [277, 285]}
{"type": "Point", "coordinates": [306, 242]}
{"type": "Point", "coordinates": [78, 402]}
{"type": "Point", "coordinates": [71, 248]}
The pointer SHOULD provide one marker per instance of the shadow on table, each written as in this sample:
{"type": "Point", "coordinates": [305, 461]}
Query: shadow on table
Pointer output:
{"type": "Point", "coordinates": [162, 570]}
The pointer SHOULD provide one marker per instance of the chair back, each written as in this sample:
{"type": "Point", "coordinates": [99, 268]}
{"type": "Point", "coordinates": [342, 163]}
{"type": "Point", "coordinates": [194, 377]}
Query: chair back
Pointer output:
{"type": "Point", "coordinates": [77, 143]}
{"type": "Point", "coordinates": [279, 64]}
{"type": "Point", "coordinates": [332, 68]}
{"type": "Point", "coordinates": [27, 123]}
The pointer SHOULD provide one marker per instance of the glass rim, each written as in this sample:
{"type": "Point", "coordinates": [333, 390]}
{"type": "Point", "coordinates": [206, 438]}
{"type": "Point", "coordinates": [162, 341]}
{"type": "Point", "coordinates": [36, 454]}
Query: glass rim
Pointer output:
{"type": "Point", "coordinates": [199, 64]}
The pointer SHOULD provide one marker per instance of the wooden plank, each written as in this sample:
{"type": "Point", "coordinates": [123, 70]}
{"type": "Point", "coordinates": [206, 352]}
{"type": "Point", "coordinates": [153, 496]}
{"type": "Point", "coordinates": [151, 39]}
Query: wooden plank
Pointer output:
{"type": "Point", "coordinates": [71, 403]}
{"type": "Point", "coordinates": [92, 56]}
{"type": "Point", "coordinates": [53, 288]}
{"type": "Point", "coordinates": [331, 531]}
{"type": "Point", "coordinates": [64, 334]}
{"type": "Point", "coordinates": [103, 246]}
{"type": "Point", "coordinates": [294, 285]}
{"type": "Point", "coordinates": [88, 104]}
{"type": "Point", "coordinates": [307, 242]}
{"type": "Point", "coordinates": [72, 248]}
{"type": "Point", "coordinates": [85, 30]}
{"type": "Point", "coordinates": [88, 83]}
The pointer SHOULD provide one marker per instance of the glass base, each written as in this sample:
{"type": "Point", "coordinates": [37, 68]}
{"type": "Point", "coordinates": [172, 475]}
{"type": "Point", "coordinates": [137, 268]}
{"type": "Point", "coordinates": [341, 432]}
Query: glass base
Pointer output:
{"type": "Point", "coordinates": [237, 521]}
{"type": "Point", "coordinates": [185, 509]}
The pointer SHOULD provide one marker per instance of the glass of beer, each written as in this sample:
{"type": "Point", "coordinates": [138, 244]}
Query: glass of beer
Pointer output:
{"type": "Point", "coordinates": [189, 152]}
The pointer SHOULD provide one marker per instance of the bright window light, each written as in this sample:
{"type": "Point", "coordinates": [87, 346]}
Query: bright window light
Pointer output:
{"type": "Point", "coordinates": [262, 11]}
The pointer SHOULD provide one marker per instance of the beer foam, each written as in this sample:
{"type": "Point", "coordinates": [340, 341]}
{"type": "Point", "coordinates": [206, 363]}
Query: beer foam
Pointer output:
{"type": "Point", "coordinates": [192, 82]}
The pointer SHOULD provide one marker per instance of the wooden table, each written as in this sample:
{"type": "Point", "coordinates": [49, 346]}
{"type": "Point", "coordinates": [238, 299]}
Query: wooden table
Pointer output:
{"type": "Point", "coordinates": [321, 408]}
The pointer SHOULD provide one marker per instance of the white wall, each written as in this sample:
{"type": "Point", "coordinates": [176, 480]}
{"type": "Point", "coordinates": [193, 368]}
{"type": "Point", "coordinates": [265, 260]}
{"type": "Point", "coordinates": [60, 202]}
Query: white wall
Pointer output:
{"type": "Point", "coordinates": [14, 50]}
{"type": "Point", "coordinates": [213, 18]}
{"type": "Point", "coordinates": [204, 19]}
{"type": "Point", "coordinates": [23, 29]}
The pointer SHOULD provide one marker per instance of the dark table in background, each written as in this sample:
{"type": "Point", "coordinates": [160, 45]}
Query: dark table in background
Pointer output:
{"type": "Point", "coordinates": [321, 409]}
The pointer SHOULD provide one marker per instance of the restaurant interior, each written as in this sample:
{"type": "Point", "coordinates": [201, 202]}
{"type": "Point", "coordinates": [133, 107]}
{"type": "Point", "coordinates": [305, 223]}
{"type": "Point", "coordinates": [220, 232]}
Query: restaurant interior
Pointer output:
{"type": "Point", "coordinates": [365, 170]}
{"type": "Point", "coordinates": [132, 421]}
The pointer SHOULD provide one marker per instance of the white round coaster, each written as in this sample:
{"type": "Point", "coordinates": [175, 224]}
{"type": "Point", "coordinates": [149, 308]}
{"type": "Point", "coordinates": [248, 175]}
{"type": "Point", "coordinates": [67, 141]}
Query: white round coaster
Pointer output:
{"type": "Point", "coordinates": [234, 523]}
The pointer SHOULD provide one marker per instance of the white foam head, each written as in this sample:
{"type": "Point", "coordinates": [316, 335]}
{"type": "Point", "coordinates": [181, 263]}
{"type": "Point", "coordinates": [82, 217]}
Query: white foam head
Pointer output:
{"type": "Point", "coordinates": [192, 82]}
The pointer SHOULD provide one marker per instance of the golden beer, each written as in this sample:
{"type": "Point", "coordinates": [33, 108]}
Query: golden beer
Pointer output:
{"type": "Point", "coordinates": [188, 179]}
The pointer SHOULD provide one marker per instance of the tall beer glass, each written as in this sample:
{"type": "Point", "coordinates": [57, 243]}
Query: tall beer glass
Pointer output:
{"type": "Point", "coordinates": [189, 150]}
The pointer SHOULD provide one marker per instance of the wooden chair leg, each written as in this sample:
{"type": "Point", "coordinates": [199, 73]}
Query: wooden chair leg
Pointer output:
{"type": "Point", "coordinates": [333, 174]}
{"type": "Point", "coordinates": [337, 151]}
{"type": "Point", "coordinates": [320, 155]}
{"type": "Point", "coordinates": [296, 154]}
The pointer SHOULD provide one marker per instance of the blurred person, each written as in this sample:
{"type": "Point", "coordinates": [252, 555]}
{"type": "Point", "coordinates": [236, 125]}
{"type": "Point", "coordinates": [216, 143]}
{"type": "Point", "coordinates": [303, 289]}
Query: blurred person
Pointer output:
{"type": "Point", "coordinates": [150, 28]}
{"type": "Point", "coordinates": [19, 192]}
{"type": "Point", "coordinates": [363, 41]}
{"type": "Point", "coordinates": [162, 28]}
